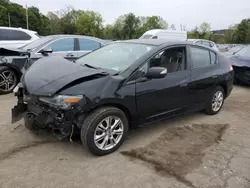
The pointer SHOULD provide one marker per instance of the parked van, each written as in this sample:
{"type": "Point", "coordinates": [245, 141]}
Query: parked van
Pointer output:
{"type": "Point", "coordinates": [165, 34]}
{"type": "Point", "coordinates": [11, 37]}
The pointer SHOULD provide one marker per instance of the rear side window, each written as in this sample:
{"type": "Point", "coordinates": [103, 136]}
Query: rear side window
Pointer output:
{"type": "Point", "coordinates": [62, 45]}
{"type": "Point", "coordinates": [9, 34]}
{"type": "Point", "coordinates": [200, 57]}
{"type": "Point", "coordinates": [88, 45]}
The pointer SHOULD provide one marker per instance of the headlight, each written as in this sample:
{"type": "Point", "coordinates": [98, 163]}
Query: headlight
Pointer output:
{"type": "Point", "coordinates": [61, 101]}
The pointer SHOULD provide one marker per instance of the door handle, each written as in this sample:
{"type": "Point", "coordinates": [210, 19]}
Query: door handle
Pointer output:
{"type": "Point", "coordinates": [183, 83]}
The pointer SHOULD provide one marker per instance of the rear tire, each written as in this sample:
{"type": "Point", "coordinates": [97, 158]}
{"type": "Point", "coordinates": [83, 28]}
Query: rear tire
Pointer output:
{"type": "Point", "coordinates": [104, 130]}
{"type": "Point", "coordinates": [216, 101]}
{"type": "Point", "coordinates": [8, 80]}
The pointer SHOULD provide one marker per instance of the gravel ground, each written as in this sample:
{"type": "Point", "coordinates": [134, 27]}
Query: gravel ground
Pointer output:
{"type": "Point", "coordinates": [194, 150]}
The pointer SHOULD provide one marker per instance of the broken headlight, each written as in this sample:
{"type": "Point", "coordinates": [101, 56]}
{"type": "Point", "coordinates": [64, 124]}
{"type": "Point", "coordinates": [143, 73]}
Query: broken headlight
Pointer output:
{"type": "Point", "coordinates": [61, 101]}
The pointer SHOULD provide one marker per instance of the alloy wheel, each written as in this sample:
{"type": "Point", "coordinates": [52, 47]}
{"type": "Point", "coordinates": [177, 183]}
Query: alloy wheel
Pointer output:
{"type": "Point", "coordinates": [217, 101]}
{"type": "Point", "coordinates": [108, 133]}
{"type": "Point", "coordinates": [8, 80]}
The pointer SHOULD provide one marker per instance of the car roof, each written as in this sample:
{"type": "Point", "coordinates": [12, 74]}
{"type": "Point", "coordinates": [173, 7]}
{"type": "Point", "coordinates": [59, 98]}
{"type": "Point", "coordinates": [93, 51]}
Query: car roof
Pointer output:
{"type": "Point", "coordinates": [80, 36]}
{"type": "Point", "coordinates": [194, 40]}
{"type": "Point", "coordinates": [18, 29]}
{"type": "Point", "coordinates": [155, 31]}
{"type": "Point", "coordinates": [156, 42]}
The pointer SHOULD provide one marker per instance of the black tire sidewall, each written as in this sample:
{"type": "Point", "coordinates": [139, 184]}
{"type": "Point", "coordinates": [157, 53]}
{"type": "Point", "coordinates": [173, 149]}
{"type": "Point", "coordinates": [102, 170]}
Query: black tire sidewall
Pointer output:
{"type": "Point", "coordinates": [87, 133]}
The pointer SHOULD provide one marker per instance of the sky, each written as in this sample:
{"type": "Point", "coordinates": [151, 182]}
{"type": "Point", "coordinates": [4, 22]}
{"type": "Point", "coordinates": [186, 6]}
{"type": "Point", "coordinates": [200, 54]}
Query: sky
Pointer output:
{"type": "Point", "coordinates": [219, 13]}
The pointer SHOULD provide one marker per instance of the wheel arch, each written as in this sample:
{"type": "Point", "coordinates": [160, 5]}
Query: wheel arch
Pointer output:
{"type": "Point", "coordinates": [13, 67]}
{"type": "Point", "coordinates": [122, 107]}
{"type": "Point", "coordinates": [225, 88]}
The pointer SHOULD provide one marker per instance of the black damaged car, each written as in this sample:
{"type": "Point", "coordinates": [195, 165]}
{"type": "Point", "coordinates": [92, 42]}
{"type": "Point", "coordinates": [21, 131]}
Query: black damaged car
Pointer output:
{"type": "Point", "coordinates": [241, 65]}
{"type": "Point", "coordinates": [121, 85]}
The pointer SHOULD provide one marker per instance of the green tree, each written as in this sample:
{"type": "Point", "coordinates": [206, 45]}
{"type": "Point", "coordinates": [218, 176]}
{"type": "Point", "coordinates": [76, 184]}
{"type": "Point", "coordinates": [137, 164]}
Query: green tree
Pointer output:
{"type": "Point", "coordinates": [3, 16]}
{"type": "Point", "coordinates": [130, 25]}
{"type": "Point", "coordinates": [89, 23]}
{"type": "Point", "coordinates": [151, 22]}
{"type": "Point", "coordinates": [69, 16]}
{"type": "Point", "coordinates": [243, 32]}
{"type": "Point", "coordinates": [54, 23]}
{"type": "Point", "coordinates": [17, 15]}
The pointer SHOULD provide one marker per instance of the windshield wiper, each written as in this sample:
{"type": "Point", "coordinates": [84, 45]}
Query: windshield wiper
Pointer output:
{"type": "Point", "coordinates": [90, 66]}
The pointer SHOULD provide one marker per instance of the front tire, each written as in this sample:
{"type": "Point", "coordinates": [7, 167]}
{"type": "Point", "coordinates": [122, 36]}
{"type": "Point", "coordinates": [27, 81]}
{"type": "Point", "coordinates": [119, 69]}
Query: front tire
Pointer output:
{"type": "Point", "coordinates": [104, 130]}
{"type": "Point", "coordinates": [8, 80]}
{"type": "Point", "coordinates": [216, 102]}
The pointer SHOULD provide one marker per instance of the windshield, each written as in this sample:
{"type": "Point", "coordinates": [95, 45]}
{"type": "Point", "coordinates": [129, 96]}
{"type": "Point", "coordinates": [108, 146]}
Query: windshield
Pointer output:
{"type": "Point", "coordinates": [245, 52]}
{"type": "Point", "coordinates": [37, 43]}
{"type": "Point", "coordinates": [116, 56]}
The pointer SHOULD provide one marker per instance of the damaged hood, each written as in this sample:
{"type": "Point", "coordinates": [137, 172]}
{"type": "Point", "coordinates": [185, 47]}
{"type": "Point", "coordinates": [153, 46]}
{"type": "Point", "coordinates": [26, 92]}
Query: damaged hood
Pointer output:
{"type": "Point", "coordinates": [12, 52]}
{"type": "Point", "coordinates": [240, 61]}
{"type": "Point", "coordinates": [50, 74]}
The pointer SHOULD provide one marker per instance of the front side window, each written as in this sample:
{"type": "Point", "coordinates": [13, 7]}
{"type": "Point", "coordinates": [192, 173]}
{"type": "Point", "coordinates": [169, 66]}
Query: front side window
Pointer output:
{"type": "Point", "coordinates": [173, 59]}
{"type": "Point", "coordinates": [62, 45]}
{"type": "Point", "coordinates": [200, 57]}
{"type": "Point", "coordinates": [88, 45]}
{"type": "Point", "coordinates": [9, 34]}
{"type": "Point", "coordinates": [116, 56]}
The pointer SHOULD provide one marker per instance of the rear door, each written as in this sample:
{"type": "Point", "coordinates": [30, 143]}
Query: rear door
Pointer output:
{"type": "Point", "coordinates": [85, 46]}
{"type": "Point", "coordinates": [204, 74]}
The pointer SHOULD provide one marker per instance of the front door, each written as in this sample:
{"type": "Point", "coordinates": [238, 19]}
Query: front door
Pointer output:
{"type": "Point", "coordinates": [64, 47]}
{"type": "Point", "coordinates": [166, 96]}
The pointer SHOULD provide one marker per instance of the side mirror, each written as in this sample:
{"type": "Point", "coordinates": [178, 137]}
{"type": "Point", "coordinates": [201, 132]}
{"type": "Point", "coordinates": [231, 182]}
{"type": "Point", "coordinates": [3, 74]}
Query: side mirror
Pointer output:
{"type": "Point", "coordinates": [156, 72]}
{"type": "Point", "coordinates": [46, 51]}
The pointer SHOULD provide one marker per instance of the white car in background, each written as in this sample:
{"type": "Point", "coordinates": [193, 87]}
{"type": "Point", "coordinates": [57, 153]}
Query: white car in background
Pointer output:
{"type": "Point", "coordinates": [204, 42]}
{"type": "Point", "coordinates": [11, 37]}
{"type": "Point", "coordinates": [164, 34]}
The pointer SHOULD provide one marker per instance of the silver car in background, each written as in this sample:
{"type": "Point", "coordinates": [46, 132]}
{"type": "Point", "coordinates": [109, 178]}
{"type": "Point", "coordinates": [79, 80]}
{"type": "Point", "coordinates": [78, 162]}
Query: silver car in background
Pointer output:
{"type": "Point", "coordinates": [204, 42]}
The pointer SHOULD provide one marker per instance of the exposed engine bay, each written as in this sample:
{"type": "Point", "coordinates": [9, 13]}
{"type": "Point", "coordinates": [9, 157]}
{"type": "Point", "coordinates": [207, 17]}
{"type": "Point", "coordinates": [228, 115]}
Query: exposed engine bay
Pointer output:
{"type": "Point", "coordinates": [38, 115]}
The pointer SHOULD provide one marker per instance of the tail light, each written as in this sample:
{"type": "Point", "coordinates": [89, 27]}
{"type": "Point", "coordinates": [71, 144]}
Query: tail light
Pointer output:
{"type": "Point", "coordinates": [231, 68]}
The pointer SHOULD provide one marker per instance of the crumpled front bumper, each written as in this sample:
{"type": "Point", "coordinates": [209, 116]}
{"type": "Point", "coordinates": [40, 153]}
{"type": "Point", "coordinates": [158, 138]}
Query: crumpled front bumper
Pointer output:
{"type": "Point", "coordinates": [41, 115]}
{"type": "Point", "coordinates": [19, 110]}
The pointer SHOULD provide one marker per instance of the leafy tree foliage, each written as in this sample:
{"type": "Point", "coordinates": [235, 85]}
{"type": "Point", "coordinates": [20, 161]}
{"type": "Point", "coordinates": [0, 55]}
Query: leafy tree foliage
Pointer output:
{"type": "Point", "coordinates": [128, 26]}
